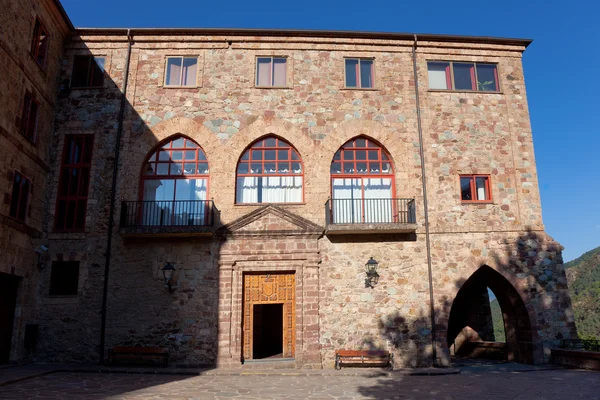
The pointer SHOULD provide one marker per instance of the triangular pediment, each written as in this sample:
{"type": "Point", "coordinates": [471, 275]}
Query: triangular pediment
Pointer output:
{"type": "Point", "coordinates": [270, 220]}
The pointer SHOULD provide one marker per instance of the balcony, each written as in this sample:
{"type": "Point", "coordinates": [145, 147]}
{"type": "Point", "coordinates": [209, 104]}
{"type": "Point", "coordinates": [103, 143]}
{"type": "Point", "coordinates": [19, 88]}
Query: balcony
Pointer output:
{"type": "Point", "coordinates": [168, 218]}
{"type": "Point", "coordinates": [368, 216]}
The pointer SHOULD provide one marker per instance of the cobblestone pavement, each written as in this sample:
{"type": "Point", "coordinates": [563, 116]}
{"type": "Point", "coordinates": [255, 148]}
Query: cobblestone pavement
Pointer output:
{"type": "Point", "coordinates": [552, 384]}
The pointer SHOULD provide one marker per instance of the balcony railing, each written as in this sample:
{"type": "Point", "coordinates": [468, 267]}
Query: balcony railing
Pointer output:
{"type": "Point", "coordinates": [370, 211]}
{"type": "Point", "coordinates": [179, 213]}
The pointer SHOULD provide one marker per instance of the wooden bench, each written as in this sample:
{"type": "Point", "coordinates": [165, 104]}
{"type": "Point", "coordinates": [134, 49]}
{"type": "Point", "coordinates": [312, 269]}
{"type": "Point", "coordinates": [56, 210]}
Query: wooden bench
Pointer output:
{"type": "Point", "coordinates": [138, 353]}
{"type": "Point", "coordinates": [364, 358]}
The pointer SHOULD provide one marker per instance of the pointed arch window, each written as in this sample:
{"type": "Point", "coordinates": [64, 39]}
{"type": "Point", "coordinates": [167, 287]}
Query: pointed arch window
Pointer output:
{"type": "Point", "coordinates": [175, 182]}
{"type": "Point", "coordinates": [362, 183]}
{"type": "Point", "coordinates": [270, 171]}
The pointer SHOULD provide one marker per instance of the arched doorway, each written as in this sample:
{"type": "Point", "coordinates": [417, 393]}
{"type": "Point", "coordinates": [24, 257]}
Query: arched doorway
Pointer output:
{"type": "Point", "coordinates": [469, 325]}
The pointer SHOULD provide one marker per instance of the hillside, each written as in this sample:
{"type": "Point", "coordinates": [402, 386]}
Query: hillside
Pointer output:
{"type": "Point", "coordinates": [583, 274]}
{"type": "Point", "coordinates": [498, 321]}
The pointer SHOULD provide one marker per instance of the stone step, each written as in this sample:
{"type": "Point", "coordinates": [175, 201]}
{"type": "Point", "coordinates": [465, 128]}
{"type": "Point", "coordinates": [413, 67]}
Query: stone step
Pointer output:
{"type": "Point", "coordinates": [270, 363]}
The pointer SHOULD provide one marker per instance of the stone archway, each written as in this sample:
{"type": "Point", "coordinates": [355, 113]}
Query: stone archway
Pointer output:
{"type": "Point", "coordinates": [517, 326]}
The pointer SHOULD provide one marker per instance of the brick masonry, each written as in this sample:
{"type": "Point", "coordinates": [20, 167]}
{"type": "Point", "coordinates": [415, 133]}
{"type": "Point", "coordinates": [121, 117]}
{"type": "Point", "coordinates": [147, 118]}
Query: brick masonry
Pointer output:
{"type": "Point", "coordinates": [201, 322]}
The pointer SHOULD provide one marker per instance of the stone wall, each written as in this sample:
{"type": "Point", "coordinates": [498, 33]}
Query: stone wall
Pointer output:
{"type": "Point", "coordinates": [464, 133]}
{"type": "Point", "coordinates": [20, 74]}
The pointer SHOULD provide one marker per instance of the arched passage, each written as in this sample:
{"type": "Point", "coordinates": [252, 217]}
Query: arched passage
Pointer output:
{"type": "Point", "coordinates": [465, 318]}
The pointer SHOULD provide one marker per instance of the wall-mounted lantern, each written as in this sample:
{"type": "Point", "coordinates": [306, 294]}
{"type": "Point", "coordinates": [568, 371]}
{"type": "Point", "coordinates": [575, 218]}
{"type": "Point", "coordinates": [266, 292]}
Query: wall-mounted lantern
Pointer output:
{"type": "Point", "coordinates": [167, 271]}
{"type": "Point", "coordinates": [371, 271]}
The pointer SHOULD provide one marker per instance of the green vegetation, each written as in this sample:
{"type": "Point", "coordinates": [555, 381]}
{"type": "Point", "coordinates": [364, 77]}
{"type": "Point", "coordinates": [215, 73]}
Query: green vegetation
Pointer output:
{"type": "Point", "coordinates": [498, 321]}
{"type": "Point", "coordinates": [583, 274]}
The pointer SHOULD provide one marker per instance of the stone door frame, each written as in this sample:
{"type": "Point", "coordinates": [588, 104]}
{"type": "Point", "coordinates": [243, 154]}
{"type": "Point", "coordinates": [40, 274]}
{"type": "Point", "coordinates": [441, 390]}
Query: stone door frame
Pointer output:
{"type": "Point", "coordinates": [230, 352]}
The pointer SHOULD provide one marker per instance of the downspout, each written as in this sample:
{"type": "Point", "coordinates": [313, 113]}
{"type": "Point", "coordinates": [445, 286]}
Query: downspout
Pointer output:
{"type": "Point", "coordinates": [426, 213]}
{"type": "Point", "coordinates": [113, 190]}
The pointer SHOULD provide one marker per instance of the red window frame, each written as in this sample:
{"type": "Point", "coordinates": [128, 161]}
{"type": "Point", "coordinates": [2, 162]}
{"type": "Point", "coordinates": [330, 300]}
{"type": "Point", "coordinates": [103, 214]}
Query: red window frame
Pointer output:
{"type": "Point", "coordinates": [19, 200]}
{"type": "Point", "coordinates": [262, 145]}
{"type": "Point", "coordinates": [29, 116]}
{"type": "Point", "coordinates": [355, 145]}
{"type": "Point", "coordinates": [156, 159]}
{"type": "Point", "coordinates": [473, 187]}
{"type": "Point", "coordinates": [474, 78]}
{"type": "Point", "coordinates": [40, 43]}
{"type": "Point", "coordinates": [72, 197]}
{"type": "Point", "coordinates": [359, 84]}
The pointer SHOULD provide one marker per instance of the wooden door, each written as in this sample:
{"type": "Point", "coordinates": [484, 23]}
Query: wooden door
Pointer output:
{"type": "Point", "coordinates": [270, 289]}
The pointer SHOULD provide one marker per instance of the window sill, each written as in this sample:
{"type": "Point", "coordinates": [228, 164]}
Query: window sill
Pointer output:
{"type": "Point", "coordinates": [272, 87]}
{"type": "Point", "coordinates": [365, 89]}
{"type": "Point", "coordinates": [32, 142]}
{"type": "Point", "coordinates": [465, 202]}
{"type": "Point", "coordinates": [61, 235]}
{"type": "Point", "coordinates": [40, 66]}
{"type": "Point", "coordinates": [463, 91]}
{"type": "Point", "coordinates": [265, 204]}
{"type": "Point", "coordinates": [62, 299]}
{"type": "Point", "coordinates": [180, 87]}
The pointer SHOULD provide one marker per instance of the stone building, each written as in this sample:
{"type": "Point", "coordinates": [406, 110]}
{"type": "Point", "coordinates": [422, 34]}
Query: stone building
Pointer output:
{"type": "Point", "coordinates": [31, 52]}
{"type": "Point", "coordinates": [303, 191]}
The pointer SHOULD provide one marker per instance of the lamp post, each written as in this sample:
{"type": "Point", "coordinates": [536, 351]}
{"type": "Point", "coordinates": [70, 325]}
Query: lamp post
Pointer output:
{"type": "Point", "coordinates": [371, 271]}
{"type": "Point", "coordinates": [168, 270]}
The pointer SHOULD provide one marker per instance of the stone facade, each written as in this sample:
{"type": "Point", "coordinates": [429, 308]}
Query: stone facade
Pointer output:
{"type": "Point", "coordinates": [30, 158]}
{"type": "Point", "coordinates": [202, 321]}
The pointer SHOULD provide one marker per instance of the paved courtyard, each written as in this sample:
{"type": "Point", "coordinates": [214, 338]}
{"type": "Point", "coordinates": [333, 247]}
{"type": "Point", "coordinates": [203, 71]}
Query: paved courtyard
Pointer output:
{"type": "Point", "coordinates": [471, 384]}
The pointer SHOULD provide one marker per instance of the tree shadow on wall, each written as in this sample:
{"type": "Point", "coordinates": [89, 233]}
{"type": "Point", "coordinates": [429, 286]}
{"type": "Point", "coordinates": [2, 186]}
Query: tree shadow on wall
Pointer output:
{"type": "Point", "coordinates": [532, 283]}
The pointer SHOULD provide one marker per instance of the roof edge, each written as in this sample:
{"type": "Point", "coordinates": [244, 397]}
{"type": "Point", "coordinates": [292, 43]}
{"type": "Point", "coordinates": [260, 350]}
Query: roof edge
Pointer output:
{"type": "Point", "coordinates": [306, 33]}
{"type": "Point", "coordinates": [64, 15]}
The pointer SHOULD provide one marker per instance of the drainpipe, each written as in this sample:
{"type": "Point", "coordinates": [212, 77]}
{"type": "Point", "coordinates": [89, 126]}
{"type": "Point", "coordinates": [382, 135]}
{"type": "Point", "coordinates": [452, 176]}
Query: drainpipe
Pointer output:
{"type": "Point", "coordinates": [426, 213]}
{"type": "Point", "coordinates": [113, 190]}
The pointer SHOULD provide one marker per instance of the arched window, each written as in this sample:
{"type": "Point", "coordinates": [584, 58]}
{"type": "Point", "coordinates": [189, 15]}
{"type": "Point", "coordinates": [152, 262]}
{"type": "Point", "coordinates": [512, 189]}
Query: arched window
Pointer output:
{"type": "Point", "coordinates": [269, 171]}
{"type": "Point", "coordinates": [175, 184]}
{"type": "Point", "coordinates": [362, 183]}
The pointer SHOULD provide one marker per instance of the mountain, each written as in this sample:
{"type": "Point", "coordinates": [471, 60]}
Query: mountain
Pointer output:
{"type": "Point", "coordinates": [583, 275]}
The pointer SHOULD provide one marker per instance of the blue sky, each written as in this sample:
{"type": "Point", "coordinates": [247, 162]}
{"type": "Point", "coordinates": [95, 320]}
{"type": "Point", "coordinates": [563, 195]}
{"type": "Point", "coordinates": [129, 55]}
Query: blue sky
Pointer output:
{"type": "Point", "coordinates": [562, 70]}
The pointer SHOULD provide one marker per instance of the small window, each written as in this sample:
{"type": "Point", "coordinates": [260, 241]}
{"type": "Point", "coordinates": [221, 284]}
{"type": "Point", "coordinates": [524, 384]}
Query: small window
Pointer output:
{"type": "Point", "coordinates": [359, 73]}
{"type": "Point", "coordinates": [475, 188]}
{"type": "Point", "coordinates": [181, 71]}
{"type": "Point", "coordinates": [476, 77]}
{"type": "Point", "coordinates": [64, 278]}
{"type": "Point", "coordinates": [20, 196]}
{"type": "Point", "coordinates": [39, 44]}
{"type": "Point", "coordinates": [29, 116]}
{"type": "Point", "coordinates": [88, 71]}
{"type": "Point", "coordinates": [271, 71]}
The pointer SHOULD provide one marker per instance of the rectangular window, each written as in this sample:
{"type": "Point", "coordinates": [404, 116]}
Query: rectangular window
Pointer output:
{"type": "Point", "coordinates": [20, 196]}
{"type": "Point", "coordinates": [360, 73]}
{"type": "Point", "coordinates": [64, 278]}
{"type": "Point", "coordinates": [271, 71]}
{"type": "Point", "coordinates": [88, 71]}
{"type": "Point", "coordinates": [475, 188]}
{"type": "Point", "coordinates": [73, 183]}
{"type": "Point", "coordinates": [181, 71]}
{"type": "Point", "coordinates": [39, 43]}
{"type": "Point", "coordinates": [29, 116]}
{"type": "Point", "coordinates": [463, 76]}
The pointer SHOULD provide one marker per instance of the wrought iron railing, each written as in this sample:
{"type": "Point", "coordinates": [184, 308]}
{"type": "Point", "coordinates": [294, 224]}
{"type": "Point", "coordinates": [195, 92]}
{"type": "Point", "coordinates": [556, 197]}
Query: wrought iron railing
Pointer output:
{"type": "Point", "coordinates": [370, 211]}
{"type": "Point", "coordinates": [581, 344]}
{"type": "Point", "coordinates": [168, 213]}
